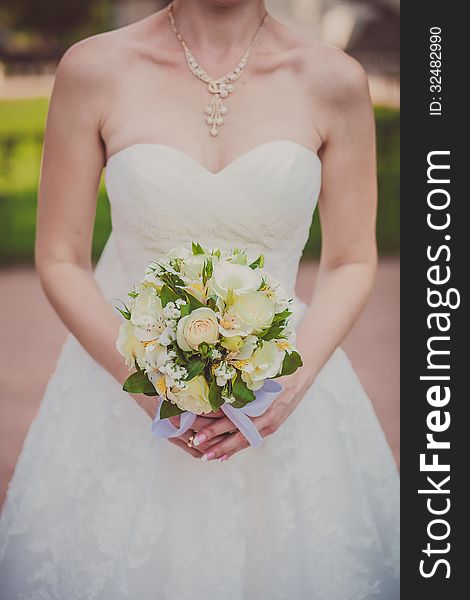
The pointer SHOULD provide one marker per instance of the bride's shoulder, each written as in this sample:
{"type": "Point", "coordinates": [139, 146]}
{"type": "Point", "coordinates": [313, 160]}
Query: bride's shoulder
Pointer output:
{"type": "Point", "coordinates": [326, 71]}
{"type": "Point", "coordinates": [98, 60]}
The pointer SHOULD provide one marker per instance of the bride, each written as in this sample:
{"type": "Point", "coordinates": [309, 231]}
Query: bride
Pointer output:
{"type": "Point", "coordinates": [100, 509]}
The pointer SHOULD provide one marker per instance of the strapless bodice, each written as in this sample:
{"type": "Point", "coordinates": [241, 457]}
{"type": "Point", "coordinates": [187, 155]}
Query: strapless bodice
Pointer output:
{"type": "Point", "coordinates": [262, 201]}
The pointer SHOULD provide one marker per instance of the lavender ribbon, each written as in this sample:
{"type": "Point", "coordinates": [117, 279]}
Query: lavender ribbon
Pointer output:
{"type": "Point", "coordinates": [240, 417]}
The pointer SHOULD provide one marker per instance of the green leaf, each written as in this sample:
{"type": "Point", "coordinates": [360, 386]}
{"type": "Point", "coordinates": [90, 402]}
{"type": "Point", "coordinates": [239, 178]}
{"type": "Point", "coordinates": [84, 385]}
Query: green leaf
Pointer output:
{"type": "Point", "coordinates": [167, 295]}
{"type": "Point", "coordinates": [258, 263]}
{"type": "Point", "coordinates": [197, 249]}
{"type": "Point", "coordinates": [282, 316]}
{"type": "Point", "coordinates": [173, 281]}
{"type": "Point", "coordinates": [237, 404]}
{"type": "Point", "coordinates": [152, 393]}
{"type": "Point", "coordinates": [241, 391]}
{"type": "Point", "coordinates": [275, 332]}
{"type": "Point", "coordinates": [290, 363]}
{"type": "Point", "coordinates": [195, 367]}
{"type": "Point", "coordinates": [133, 294]}
{"type": "Point", "coordinates": [168, 409]}
{"type": "Point", "coordinates": [193, 302]}
{"type": "Point", "coordinates": [185, 309]}
{"type": "Point", "coordinates": [207, 271]}
{"type": "Point", "coordinates": [204, 349]}
{"type": "Point", "coordinates": [181, 359]}
{"type": "Point", "coordinates": [125, 313]}
{"type": "Point", "coordinates": [215, 395]}
{"type": "Point", "coordinates": [138, 383]}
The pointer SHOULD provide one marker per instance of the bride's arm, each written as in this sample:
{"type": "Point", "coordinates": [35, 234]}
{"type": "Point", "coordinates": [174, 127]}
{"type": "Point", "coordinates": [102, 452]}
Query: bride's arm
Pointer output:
{"type": "Point", "coordinates": [348, 260]}
{"type": "Point", "coordinates": [347, 207]}
{"type": "Point", "coordinates": [73, 160]}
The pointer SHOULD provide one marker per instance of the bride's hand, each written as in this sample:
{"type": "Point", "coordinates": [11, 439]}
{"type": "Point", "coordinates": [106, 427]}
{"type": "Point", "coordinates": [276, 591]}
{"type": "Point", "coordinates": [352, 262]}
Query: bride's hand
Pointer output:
{"type": "Point", "coordinates": [199, 423]}
{"type": "Point", "coordinates": [149, 404]}
{"type": "Point", "coordinates": [216, 444]}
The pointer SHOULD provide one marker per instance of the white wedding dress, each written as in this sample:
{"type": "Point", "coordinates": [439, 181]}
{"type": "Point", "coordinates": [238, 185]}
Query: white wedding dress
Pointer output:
{"type": "Point", "coordinates": [100, 509]}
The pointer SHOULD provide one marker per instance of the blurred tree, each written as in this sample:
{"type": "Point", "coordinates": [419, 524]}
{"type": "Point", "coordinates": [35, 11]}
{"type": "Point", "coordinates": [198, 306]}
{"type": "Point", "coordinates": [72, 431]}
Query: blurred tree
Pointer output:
{"type": "Point", "coordinates": [58, 20]}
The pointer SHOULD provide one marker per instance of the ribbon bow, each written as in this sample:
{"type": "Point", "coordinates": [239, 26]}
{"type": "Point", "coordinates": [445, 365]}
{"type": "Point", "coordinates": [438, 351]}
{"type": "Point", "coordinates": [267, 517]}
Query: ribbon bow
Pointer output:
{"type": "Point", "coordinates": [240, 417]}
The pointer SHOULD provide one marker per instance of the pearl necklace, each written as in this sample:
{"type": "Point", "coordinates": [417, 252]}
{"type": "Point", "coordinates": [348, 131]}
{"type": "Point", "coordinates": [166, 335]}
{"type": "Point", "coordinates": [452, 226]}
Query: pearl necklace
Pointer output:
{"type": "Point", "coordinates": [218, 88]}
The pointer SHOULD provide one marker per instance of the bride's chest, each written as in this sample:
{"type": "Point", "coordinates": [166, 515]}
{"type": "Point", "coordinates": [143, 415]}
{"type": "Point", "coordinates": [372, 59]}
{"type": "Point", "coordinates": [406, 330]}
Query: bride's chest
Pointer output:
{"type": "Point", "coordinates": [168, 107]}
{"type": "Point", "coordinates": [273, 185]}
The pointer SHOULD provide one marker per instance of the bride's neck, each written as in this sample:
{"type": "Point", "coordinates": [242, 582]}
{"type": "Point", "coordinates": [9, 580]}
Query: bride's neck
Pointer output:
{"type": "Point", "coordinates": [217, 26]}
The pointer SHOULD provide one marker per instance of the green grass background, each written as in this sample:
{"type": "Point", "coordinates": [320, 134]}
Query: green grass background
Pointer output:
{"type": "Point", "coordinates": [21, 133]}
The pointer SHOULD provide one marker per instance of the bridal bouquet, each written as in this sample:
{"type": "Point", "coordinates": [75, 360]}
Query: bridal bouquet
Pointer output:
{"type": "Point", "coordinates": [207, 330]}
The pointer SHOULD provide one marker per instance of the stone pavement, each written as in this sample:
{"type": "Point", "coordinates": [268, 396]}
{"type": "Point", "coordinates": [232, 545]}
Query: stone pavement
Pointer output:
{"type": "Point", "coordinates": [31, 337]}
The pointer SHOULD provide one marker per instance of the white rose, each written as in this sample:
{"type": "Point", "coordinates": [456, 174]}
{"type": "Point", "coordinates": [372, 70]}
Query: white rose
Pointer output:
{"type": "Point", "coordinates": [265, 363]}
{"type": "Point", "coordinates": [238, 278]}
{"type": "Point", "coordinates": [129, 346]}
{"type": "Point", "coordinates": [194, 397]}
{"type": "Point", "coordinates": [147, 315]}
{"type": "Point", "coordinates": [256, 310]}
{"type": "Point", "coordinates": [199, 326]}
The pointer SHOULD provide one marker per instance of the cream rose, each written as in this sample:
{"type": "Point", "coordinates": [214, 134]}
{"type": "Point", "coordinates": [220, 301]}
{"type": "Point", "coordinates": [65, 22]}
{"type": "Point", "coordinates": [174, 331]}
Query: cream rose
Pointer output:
{"type": "Point", "coordinates": [255, 310]}
{"type": "Point", "coordinates": [194, 397]}
{"type": "Point", "coordinates": [198, 327]}
{"type": "Point", "coordinates": [265, 363]}
{"type": "Point", "coordinates": [129, 346]}
{"type": "Point", "coordinates": [238, 278]}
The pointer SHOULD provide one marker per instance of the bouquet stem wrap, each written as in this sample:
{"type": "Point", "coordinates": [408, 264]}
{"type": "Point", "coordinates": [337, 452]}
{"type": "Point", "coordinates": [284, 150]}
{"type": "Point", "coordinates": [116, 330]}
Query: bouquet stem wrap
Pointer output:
{"type": "Point", "coordinates": [240, 417]}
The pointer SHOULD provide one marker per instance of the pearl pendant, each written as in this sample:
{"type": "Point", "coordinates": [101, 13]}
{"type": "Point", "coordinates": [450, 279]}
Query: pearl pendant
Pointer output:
{"type": "Point", "coordinates": [215, 111]}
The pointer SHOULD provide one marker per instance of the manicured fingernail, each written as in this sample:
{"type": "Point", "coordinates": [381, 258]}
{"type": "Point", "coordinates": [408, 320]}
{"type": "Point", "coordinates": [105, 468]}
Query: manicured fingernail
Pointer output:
{"type": "Point", "coordinates": [199, 439]}
{"type": "Point", "coordinates": [208, 456]}
{"type": "Point", "coordinates": [224, 457]}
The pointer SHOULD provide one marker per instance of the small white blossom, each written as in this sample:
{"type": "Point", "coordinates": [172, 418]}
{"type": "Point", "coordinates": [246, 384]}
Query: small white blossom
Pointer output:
{"type": "Point", "coordinates": [216, 354]}
{"type": "Point", "coordinates": [224, 373]}
{"type": "Point", "coordinates": [171, 312]}
{"type": "Point", "coordinates": [174, 374]}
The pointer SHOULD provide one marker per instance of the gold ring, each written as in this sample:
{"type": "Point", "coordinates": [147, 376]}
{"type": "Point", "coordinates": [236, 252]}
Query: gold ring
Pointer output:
{"type": "Point", "coordinates": [189, 443]}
